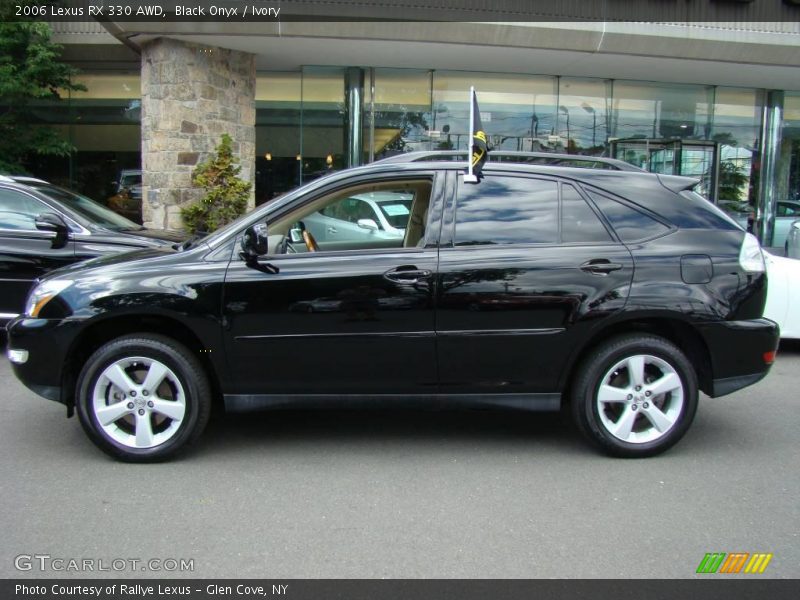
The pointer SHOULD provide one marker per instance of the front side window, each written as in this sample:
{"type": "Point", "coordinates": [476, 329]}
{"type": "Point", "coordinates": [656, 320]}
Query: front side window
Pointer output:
{"type": "Point", "coordinates": [507, 210]}
{"type": "Point", "coordinates": [19, 211]}
{"type": "Point", "coordinates": [368, 216]}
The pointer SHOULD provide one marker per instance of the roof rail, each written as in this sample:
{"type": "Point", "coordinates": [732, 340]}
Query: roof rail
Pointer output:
{"type": "Point", "coordinates": [537, 158]}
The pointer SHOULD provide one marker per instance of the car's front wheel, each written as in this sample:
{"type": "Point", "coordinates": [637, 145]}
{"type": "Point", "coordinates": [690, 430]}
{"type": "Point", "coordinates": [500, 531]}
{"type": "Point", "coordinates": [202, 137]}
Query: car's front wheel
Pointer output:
{"type": "Point", "coordinates": [143, 397]}
{"type": "Point", "coordinates": [635, 396]}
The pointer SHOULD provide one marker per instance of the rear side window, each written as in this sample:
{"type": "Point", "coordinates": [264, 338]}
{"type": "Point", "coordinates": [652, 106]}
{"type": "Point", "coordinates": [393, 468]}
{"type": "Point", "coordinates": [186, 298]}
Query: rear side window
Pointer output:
{"type": "Point", "coordinates": [579, 223]}
{"type": "Point", "coordinates": [507, 210]}
{"type": "Point", "coordinates": [630, 224]}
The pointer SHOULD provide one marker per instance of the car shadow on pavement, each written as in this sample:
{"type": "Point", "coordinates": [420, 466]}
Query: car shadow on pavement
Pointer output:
{"type": "Point", "coordinates": [344, 428]}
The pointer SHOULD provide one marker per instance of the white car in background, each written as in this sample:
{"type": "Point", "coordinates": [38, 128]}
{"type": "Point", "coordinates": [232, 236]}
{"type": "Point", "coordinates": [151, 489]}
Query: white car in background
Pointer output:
{"type": "Point", "coordinates": [783, 294]}
{"type": "Point", "coordinates": [786, 213]}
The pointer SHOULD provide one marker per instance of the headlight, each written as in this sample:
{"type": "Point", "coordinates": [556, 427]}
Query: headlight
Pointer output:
{"type": "Point", "coordinates": [43, 293]}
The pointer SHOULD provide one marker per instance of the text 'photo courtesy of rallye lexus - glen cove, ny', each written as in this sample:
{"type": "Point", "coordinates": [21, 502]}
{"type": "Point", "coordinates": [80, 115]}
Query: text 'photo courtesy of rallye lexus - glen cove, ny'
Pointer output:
{"type": "Point", "coordinates": [540, 283]}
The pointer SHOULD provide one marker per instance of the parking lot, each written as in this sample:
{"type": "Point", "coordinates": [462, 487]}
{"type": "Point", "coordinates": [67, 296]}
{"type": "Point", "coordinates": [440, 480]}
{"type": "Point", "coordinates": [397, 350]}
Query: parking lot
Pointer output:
{"type": "Point", "coordinates": [409, 493]}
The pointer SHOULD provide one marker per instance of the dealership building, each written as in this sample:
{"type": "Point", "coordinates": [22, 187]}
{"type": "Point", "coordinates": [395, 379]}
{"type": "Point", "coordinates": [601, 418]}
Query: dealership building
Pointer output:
{"type": "Point", "coordinates": [716, 100]}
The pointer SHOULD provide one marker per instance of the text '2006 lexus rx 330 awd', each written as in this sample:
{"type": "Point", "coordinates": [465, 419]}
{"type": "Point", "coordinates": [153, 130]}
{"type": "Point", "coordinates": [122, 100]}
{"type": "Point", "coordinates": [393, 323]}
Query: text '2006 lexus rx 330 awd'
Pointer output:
{"type": "Point", "coordinates": [610, 292]}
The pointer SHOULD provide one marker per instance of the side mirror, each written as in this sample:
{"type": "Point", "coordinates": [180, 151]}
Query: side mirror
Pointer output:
{"type": "Point", "coordinates": [368, 224]}
{"type": "Point", "coordinates": [255, 242]}
{"type": "Point", "coordinates": [54, 223]}
{"type": "Point", "coordinates": [296, 235]}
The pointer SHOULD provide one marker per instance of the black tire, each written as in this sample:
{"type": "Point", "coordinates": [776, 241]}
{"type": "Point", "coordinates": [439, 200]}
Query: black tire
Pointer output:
{"type": "Point", "coordinates": [191, 381]}
{"type": "Point", "coordinates": [680, 404]}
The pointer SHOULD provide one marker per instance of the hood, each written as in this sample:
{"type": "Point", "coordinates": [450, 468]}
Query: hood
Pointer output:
{"type": "Point", "coordinates": [167, 235]}
{"type": "Point", "coordinates": [139, 237]}
{"type": "Point", "coordinates": [111, 262]}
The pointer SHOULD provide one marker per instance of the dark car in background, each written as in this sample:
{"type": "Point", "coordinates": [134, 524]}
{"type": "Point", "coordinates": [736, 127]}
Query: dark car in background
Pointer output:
{"type": "Point", "coordinates": [612, 293]}
{"type": "Point", "coordinates": [44, 227]}
{"type": "Point", "coordinates": [127, 197]}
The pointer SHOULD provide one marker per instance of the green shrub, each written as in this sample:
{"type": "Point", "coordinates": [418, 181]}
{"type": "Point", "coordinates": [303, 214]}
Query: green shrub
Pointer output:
{"type": "Point", "coordinates": [225, 196]}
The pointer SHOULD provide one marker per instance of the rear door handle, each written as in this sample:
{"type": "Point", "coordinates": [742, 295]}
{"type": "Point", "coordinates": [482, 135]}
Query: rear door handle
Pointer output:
{"type": "Point", "coordinates": [600, 266]}
{"type": "Point", "coordinates": [332, 230]}
{"type": "Point", "coordinates": [406, 274]}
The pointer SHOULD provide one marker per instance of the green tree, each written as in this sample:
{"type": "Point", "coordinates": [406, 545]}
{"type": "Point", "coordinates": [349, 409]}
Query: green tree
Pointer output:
{"type": "Point", "coordinates": [30, 72]}
{"type": "Point", "coordinates": [732, 181]}
{"type": "Point", "coordinates": [225, 196]}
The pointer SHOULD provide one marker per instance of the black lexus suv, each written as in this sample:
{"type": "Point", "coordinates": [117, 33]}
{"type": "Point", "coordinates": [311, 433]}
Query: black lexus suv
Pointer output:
{"type": "Point", "coordinates": [614, 294]}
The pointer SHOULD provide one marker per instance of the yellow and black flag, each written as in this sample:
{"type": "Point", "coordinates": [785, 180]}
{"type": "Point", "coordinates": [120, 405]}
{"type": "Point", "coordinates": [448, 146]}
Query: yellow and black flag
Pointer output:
{"type": "Point", "coordinates": [480, 149]}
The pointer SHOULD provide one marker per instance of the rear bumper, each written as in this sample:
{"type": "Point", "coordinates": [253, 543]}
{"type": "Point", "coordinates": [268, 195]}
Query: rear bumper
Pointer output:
{"type": "Point", "coordinates": [739, 352]}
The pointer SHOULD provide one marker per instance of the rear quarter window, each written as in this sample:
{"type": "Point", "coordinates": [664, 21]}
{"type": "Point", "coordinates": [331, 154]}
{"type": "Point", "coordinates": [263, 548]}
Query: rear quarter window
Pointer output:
{"type": "Point", "coordinates": [630, 224]}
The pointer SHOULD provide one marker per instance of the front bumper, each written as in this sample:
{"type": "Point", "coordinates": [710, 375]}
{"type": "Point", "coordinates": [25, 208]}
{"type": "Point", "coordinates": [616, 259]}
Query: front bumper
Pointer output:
{"type": "Point", "coordinates": [44, 345]}
{"type": "Point", "coordinates": [741, 352]}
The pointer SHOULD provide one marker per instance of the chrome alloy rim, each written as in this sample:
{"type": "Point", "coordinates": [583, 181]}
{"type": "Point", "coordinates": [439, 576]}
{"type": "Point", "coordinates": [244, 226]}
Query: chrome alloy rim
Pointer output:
{"type": "Point", "coordinates": [640, 399]}
{"type": "Point", "coordinates": [139, 402]}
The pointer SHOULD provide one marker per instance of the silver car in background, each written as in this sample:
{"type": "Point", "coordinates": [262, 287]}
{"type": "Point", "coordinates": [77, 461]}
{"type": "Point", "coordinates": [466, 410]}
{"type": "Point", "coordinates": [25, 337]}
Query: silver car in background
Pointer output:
{"type": "Point", "coordinates": [793, 240]}
{"type": "Point", "coordinates": [363, 218]}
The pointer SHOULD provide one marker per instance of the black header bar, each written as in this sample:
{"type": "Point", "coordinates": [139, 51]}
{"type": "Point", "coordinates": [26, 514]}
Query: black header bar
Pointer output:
{"type": "Point", "coordinates": [710, 588]}
{"type": "Point", "coordinates": [243, 11]}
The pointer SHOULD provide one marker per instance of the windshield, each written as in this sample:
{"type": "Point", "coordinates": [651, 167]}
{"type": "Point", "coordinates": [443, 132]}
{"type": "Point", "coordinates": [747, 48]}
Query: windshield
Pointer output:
{"type": "Point", "coordinates": [130, 180]}
{"type": "Point", "coordinates": [396, 212]}
{"type": "Point", "coordinates": [95, 213]}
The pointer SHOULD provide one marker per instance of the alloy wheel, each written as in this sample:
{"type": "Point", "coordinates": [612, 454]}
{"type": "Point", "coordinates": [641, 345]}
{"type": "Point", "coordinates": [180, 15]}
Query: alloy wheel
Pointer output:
{"type": "Point", "coordinates": [139, 402]}
{"type": "Point", "coordinates": [640, 399]}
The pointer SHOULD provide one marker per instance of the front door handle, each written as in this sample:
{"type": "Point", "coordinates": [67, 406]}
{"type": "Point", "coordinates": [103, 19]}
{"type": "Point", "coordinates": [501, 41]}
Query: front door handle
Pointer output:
{"type": "Point", "coordinates": [332, 230]}
{"type": "Point", "coordinates": [406, 274]}
{"type": "Point", "coordinates": [600, 266]}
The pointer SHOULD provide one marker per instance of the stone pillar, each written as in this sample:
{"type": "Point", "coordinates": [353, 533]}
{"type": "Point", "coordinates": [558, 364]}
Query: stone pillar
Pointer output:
{"type": "Point", "coordinates": [191, 95]}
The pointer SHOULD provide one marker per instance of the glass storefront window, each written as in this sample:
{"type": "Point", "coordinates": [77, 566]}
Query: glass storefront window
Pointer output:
{"type": "Point", "coordinates": [584, 111]}
{"type": "Point", "coordinates": [660, 111]}
{"type": "Point", "coordinates": [303, 120]}
{"type": "Point", "coordinates": [788, 171]}
{"type": "Point", "coordinates": [736, 126]}
{"type": "Point", "coordinates": [323, 122]}
{"type": "Point", "coordinates": [518, 111]}
{"type": "Point", "coordinates": [401, 112]}
{"type": "Point", "coordinates": [103, 123]}
{"type": "Point", "coordinates": [278, 108]}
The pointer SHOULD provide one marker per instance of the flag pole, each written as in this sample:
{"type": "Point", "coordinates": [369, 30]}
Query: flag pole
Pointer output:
{"type": "Point", "coordinates": [469, 177]}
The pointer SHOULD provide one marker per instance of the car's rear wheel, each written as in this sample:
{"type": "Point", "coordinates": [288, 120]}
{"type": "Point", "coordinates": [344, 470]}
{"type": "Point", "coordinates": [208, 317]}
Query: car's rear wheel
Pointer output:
{"type": "Point", "coordinates": [143, 397]}
{"type": "Point", "coordinates": [635, 396]}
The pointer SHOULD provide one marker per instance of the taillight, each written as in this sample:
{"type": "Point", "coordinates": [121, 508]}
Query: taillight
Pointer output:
{"type": "Point", "coordinates": [751, 257]}
{"type": "Point", "coordinates": [769, 357]}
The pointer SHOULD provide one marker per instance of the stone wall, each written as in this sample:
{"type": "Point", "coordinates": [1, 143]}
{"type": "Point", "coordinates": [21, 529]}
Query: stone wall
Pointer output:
{"type": "Point", "coordinates": [191, 95]}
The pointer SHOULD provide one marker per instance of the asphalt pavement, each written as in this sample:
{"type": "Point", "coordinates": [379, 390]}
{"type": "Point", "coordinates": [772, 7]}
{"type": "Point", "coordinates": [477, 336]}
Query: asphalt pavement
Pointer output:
{"type": "Point", "coordinates": [405, 493]}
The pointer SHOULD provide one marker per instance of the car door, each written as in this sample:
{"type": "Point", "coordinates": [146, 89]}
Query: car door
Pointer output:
{"type": "Point", "coordinates": [527, 266]}
{"type": "Point", "coordinates": [337, 322]}
{"type": "Point", "coordinates": [25, 252]}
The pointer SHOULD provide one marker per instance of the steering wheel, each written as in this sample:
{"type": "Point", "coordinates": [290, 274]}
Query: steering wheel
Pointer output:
{"type": "Point", "coordinates": [311, 243]}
